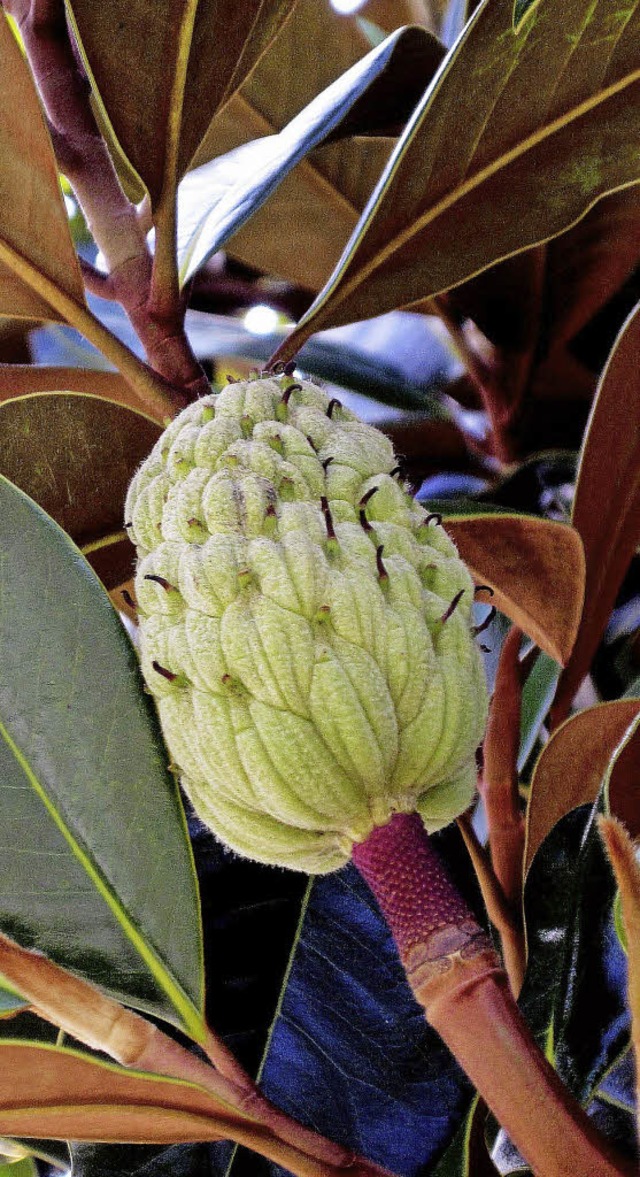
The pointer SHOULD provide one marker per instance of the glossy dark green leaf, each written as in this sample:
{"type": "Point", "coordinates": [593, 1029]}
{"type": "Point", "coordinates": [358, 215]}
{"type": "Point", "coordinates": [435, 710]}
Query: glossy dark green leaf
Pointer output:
{"type": "Point", "coordinates": [574, 991]}
{"type": "Point", "coordinates": [350, 1051]}
{"type": "Point", "coordinates": [347, 1049]}
{"type": "Point", "coordinates": [575, 988]}
{"type": "Point", "coordinates": [250, 914]}
{"type": "Point", "coordinates": [96, 869]}
{"type": "Point", "coordinates": [522, 130]}
{"type": "Point", "coordinates": [217, 198]}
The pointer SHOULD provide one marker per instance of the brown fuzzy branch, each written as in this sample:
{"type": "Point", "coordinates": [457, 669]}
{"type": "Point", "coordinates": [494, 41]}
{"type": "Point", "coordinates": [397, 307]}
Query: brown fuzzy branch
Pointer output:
{"type": "Point", "coordinates": [84, 158]}
{"type": "Point", "coordinates": [102, 1024]}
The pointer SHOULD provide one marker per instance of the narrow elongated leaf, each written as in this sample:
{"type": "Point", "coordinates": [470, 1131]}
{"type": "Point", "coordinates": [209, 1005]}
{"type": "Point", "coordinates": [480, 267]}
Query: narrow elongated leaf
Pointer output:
{"type": "Point", "coordinates": [96, 869]}
{"type": "Point", "coordinates": [572, 766]}
{"type": "Point", "coordinates": [33, 219]}
{"type": "Point", "coordinates": [606, 506]}
{"type": "Point", "coordinates": [163, 73]}
{"type": "Point", "coordinates": [263, 106]}
{"type": "Point", "coordinates": [75, 455]}
{"type": "Point", "coordinates": [61, 1093]}
{"type": "Point", "coordinates": [535, 568]}
{"type": "Point", "coordinates": [216, 198]}
{"type": "Point", "coordinates": [522, 130]}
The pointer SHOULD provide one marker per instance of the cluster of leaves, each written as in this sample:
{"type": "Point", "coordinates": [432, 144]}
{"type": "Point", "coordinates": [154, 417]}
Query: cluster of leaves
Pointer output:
{"type": "Point", "coordinates": [489, 187]}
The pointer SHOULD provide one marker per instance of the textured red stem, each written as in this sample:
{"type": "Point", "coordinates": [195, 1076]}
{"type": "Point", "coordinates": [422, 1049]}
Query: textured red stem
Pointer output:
{"type": "Point", "coordinates": [457, 978]}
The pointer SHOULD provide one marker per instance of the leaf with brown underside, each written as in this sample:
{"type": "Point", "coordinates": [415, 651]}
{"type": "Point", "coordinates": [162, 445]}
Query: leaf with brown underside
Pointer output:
{"type": "Point", "coordinates": [61, 1094]}
{"type": "Point", "coordinates": [573, 764]}
{"type": "Point", "coordinates": [113, 559]}
{"type": "Point", "coordinates": [606, 505]}
{"type": "Point", "coordinates": [535, 568]}
{"type": "Point", "coordinates": [263, 105]}
{"type": "Point", "coordinates": [521, 132]}
{"type": "Point", "coordinates": [75, 455]}
{"type": "Point", "coordinates": [588, 265]}
{"type": "Point", "coordinates": [529, 310]}
{"type": "Point", "coordinates": [579, 272]}
{"type": "Point", "coordinates": [123, 598]}
{"type": "Point", "coordinates": [163, 72]}
{"type": "Point", "coordinates": [301, 232]}
{"type": "Point", "coordinates": [18, 380]}
{"type": "Point", "coordinates": [391, 14]}
{"type": "Point", "coordinates": [33, 219]}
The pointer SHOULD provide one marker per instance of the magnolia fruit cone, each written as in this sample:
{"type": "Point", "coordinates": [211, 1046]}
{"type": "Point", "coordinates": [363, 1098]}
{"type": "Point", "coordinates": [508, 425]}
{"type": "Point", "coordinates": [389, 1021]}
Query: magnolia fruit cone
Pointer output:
{"type": "Point", "coordinates": [296, 627]}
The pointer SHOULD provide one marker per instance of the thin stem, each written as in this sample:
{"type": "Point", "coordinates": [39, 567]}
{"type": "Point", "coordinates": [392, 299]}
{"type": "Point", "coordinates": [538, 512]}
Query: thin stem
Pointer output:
{"type": "Point", "coordinates": [101, 1023]}
{"type": "Point", "coordinates": [500, 773]}
{"type": "Point", "coordinates": [80, 147]}
{"type": "Point", "coordinates": [155, 392]}
{"type": "Point", "coordinates": [478, 369]}
{"type": "Point", "coordinates": [226, 1062]}
{"type": "Point", "coordinates": [456, 976]}
{"type": "Point", "coordinates": [114, 222]}
{"type": "Point", "coordinates": [95, 281]}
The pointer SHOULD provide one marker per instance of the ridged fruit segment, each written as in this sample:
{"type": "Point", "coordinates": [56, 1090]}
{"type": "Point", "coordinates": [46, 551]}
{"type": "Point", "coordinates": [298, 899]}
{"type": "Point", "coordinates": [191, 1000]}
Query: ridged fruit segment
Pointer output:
{"type": "Point", "coordinates": [296, 626]}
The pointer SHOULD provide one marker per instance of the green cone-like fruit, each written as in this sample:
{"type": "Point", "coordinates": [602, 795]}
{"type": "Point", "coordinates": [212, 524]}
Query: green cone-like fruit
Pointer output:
{"type": "Point", "coordinates": [295, 628]}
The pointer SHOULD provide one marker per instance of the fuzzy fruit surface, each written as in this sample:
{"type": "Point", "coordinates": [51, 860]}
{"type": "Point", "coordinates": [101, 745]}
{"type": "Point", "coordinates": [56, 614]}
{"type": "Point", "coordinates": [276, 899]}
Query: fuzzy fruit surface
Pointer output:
{"type": "Point", "coordinates": [292, 598]}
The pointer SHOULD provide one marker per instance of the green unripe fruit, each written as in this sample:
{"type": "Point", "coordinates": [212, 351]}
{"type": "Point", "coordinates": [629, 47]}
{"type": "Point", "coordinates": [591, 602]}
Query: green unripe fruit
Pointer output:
{"type": "Point", "coordinates": [296, 629]}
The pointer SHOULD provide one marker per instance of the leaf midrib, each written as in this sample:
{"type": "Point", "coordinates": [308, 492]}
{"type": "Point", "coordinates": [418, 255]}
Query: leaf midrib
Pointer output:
{"type": "Point", "coordinates": [467, 186]}
{"type": "Point", "coordinates": [179, 999]}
